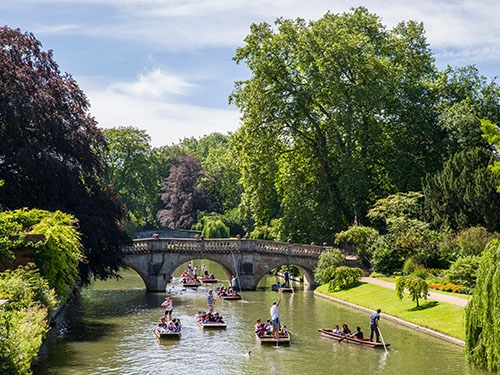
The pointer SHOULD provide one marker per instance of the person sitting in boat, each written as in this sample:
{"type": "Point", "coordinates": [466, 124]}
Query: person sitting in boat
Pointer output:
{"type": "Point", "coordinates": [177, 325]}
{"type": "Point", "coordinates": [200, 317]}
{"type": "Point", "coordinates": [258, 324]}
{"type": "Point", "coordinates": [218, 318]}
{"type": "Point", "coordinates": [283, 331]}
{"type": "Point", "coordinates": [337, 330]}
{"type": "Point", "coordinates": [358, 334]}
{"type": "Point", "coordinates": [261, 329]}
{"type": "Point", "coordinates": [345, 329]}
{"type": "Point", "coordinates": [269, 325]}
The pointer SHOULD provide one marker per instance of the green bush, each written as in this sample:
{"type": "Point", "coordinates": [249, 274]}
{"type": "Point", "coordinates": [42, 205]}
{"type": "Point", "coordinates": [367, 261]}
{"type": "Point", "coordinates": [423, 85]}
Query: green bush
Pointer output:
{"type": "Point", "coordinates": [344, 277]}
{"type": "Point", "coordinates": [331, 258]}
{"type": "Point", "coordinates": [23, 320]}
{"type": "Point", "coordinates": [58, 256]}
{"type": "Point", "coordinates": [464, 271]}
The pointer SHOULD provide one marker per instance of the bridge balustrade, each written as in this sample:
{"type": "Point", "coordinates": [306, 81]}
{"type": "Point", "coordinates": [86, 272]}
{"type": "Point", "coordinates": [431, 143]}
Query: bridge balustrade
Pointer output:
{"type": "Point", "coordinates": [142, 246]}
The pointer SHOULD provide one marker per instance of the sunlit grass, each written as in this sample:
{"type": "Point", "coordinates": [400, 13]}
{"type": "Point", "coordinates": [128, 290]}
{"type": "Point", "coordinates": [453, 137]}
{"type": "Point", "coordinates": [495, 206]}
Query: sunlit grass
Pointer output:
{"type": "Point", "coordinates": [439, 316]}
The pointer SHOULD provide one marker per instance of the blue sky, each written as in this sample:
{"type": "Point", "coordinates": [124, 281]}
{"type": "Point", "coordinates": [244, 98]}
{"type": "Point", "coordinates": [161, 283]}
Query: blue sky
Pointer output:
{"type": "Point", "coordinates": [166, 66]}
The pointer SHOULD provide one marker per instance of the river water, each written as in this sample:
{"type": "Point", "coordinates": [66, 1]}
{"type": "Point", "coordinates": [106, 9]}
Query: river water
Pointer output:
{"type": "Point", "coordinates": [108, 330]}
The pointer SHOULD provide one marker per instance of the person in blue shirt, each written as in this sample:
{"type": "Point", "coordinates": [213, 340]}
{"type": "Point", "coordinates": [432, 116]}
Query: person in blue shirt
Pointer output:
{"type": "Point", "coordinates": [374, 319]}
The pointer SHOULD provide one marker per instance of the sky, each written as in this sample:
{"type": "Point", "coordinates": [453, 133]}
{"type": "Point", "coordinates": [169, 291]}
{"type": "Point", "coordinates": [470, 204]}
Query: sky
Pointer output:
{"type": "Point", "coordinates": [166, 66]}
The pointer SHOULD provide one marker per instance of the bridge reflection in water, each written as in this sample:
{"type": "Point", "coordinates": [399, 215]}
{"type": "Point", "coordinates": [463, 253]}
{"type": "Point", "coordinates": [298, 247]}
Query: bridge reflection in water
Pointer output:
{"type": "Point", "coordinates": [155, 259]}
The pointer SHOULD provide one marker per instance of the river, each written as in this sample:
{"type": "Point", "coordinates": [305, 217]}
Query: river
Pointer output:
{"type": "Point", "coordinates": [108, 330]}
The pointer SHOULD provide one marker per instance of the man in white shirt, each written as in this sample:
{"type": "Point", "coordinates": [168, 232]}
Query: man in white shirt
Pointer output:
{"type": "Point", "coordinates": [275, 317]}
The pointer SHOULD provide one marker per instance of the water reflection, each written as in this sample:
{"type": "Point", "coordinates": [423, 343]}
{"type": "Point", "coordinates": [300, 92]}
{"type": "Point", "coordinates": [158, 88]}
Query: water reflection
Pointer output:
{"type": "Point", "coordinates": [110, 332]}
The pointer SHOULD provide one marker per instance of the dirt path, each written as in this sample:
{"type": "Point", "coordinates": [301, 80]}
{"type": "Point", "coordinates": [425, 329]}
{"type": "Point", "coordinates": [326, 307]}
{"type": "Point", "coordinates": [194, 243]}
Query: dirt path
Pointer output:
{"type": "Point", "coordinates": [432, 295]}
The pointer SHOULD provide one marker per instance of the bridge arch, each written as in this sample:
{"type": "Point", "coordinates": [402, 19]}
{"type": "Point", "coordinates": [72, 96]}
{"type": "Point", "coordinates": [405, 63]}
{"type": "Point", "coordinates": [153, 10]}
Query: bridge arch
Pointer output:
{"type": "Point", "coordinates": [155, 259]}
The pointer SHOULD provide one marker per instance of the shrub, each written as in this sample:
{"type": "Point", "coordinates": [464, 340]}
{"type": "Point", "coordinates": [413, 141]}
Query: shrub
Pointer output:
{"type": "Point", "coordinates": [331, 258]}
{"type": "Point", "coordinates": [464, 271]}
{"type": "Point", "coordinates": [23, 320]}
{"type": "Point", "coordinates": [345, 278]}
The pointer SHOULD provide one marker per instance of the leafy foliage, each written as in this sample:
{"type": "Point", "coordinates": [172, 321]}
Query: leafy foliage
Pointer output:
{"type": "Point", "coordinates": [463, 271]}
{"type": "Point", "coordinates": [324, 99]}
{"type": "Point", "coordinates": [343, 278]}
{"type": "Point", "coordinates": [58, 255]}
{"type": "Point", "coordinates": [130, 160]}
{"type": "Point", "coordinates": [183, 196]}
{"type": "Point", "coordinates": [472, 241]}
{"type": "Point", "coordinates": [416, 287]}
{"type": "Point", "coordinates": [482, 342]}
{"type": "Point", "coordinates": [362, 237]}
{"type": "Point", "coordinates": [50, 150]}
{"type": "Point", "coordinates": [23, 320]}
{"type": "Point", "coordinates": [332, 258]}
{"type": "Point", "coordinates": [211, 226]}
{"type": "Point", "coordinates": [463, 193]}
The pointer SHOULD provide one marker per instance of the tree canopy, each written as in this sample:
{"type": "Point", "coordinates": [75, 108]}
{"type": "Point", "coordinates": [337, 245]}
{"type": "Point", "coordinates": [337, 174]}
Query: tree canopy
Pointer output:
{"type": "Point", "coordinates": [183, 195]}
{"type": "Point", "coordinates": [50, 150]}
{"type": "Point", "coordinates": [337, 113]}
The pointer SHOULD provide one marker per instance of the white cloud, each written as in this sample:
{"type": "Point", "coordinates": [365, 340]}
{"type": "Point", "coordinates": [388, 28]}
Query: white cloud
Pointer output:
{"type": "Point", "coordinates": [153, 84]}
{"type": "Point", "coordinates": [141, 105]}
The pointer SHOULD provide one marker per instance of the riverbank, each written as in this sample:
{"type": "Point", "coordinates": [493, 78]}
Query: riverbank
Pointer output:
{"type": "Point", "coordinates": [428, 319]}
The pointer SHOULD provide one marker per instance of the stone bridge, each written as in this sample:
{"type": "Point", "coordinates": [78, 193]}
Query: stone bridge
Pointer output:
{"type": "Point", "coordinates": [155, 259]}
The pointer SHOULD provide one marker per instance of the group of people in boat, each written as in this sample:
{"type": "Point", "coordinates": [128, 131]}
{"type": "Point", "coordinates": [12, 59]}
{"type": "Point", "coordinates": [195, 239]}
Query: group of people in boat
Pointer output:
{"type": "Point", "coordinates": [266, 329]}
{"type": "Point", "coordinates": [208, 317]}
{"type": "Point", "coordinates": [191, 275]}
{"type": "Point", "coordinates": [345, 331]}
{"type": "Point", "coordinates": [208, 277]}
{"type": "Point", "coordinates": [172, 326]}
{"type": "Point", "coordinates": [222, 291]}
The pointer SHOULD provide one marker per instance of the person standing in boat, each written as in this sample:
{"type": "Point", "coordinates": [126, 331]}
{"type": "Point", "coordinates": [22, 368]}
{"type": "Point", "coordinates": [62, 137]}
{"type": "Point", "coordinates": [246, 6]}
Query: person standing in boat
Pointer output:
{"type": "Point", "coordinates": [234, 283]}
{"type": "Point", "coordinates": [210, 301]}
{"type": "Point", "coordinates": [275, 317]}
{"type": "Point", "coordinates": [286, 275]}
{"type": "Point", "coordinates": [374, 319]}
{"type": "Point", "coordinates": [169, 307]}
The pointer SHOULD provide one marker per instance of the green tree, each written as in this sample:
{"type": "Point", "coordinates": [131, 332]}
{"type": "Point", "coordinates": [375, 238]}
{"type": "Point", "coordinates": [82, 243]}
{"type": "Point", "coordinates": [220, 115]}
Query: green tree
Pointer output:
{"type": "Point", "coordinates": [330, 259]}
{"type": "Point", "coordinates": [50, 149]}
{"type": "Point", "coordinates": [463, 193]}
{"type": "Point", "coordinates": [362, 237]}
{"type": "Point", "coordinates": [324, 99]}
{"type": "Point", "coordinates": [344, 277]}
{"type": "Point", "coordinates": [415, 286]}
{"type": "Point", "coordinates": [465, 97]}
{"type": "Point", "coordinates": [130, 162]}
{"type": "Point", "coordinates": [482, 315]}
{"type": "Point", "coordinates": [405, 236]}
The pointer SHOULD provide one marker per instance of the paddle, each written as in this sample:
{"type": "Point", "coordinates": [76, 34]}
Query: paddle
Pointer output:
{"type": "Point", "coordinates": [382, 337]}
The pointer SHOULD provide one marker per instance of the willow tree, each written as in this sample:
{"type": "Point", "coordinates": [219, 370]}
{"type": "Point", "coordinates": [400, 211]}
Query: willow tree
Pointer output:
{"type": "Point", "coordinates": [482, 314]}
{"type": "Point", "coordinates": [334, 117]}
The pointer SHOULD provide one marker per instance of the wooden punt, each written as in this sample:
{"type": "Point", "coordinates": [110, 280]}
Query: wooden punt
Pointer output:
{"type": "Point", "coordinates": [166, 335]}
{"type": "Point", "coordinates": [191, 285]}
{"type": "Point", "coordinates": [351, 340]}
{"type": "Point", "coordinates": [231, 297]}
{"type": "Point", "coordinates": [212, 325]}
{"type": "Point", "coordinates": [209, 281]}
{"type": "Point", "coordinates": [266, 338]}
{"type": "Point", "coordinates": [281, 288]}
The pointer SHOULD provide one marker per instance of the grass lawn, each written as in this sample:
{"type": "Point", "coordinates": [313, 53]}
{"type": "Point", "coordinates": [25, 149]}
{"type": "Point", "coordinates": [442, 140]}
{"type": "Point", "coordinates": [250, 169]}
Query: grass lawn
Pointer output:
{"type": "Point", "coordinates": [439, 316]}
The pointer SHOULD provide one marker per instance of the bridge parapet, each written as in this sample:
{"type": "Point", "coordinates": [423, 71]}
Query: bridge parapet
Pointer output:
{"type": "Point", "coordinates": [225, 246]}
